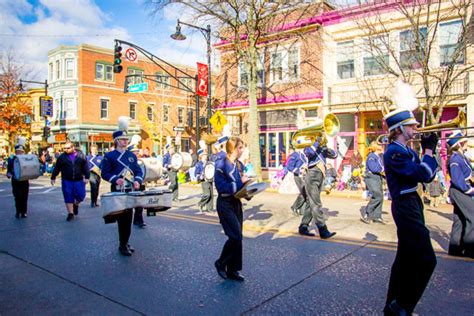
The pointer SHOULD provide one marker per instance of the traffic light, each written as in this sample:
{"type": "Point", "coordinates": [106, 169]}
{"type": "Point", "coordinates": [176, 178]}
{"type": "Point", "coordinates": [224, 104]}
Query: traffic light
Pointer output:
{"type": "Point", "coordinates": [117, 59]}
{"type": "Point", "coordinates": [46, 131]}
{"type": "Point", "coordinates": [190, 118]}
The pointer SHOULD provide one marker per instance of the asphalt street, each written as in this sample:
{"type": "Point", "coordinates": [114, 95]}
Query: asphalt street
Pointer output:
{"type": "Point", "coordinates": [53, 267]}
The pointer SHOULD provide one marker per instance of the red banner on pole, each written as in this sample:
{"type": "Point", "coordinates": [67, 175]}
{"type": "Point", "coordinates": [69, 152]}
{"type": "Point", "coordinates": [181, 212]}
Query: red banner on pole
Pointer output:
{"type": "Point", "coordinates": [203, 73]}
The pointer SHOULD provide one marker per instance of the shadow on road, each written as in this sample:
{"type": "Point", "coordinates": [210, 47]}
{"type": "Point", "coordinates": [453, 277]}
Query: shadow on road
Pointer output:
{"type": "Point", "coordinates": [256, 213]}
{"type": "Point", "coordinates": [445, 215]}
{"type": "Point", "coordinates": [440, 236]}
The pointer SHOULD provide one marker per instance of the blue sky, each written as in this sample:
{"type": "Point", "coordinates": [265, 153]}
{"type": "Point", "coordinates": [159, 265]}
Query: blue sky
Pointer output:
{"type": "Point", "coordinates": [33, 27]}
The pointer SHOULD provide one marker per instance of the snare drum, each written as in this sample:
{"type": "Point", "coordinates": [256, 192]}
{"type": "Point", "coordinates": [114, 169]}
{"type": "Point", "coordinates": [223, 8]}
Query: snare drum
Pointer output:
{"type": "Point", "coordinates": [135, 199]}
{"type": "Point", "coordinates": [113, 203]}
{"type": "Point", "coordinates": [152, 169]}
{"type": "Point", "coordinates": [26, 167]}
{"type": "Point", "coordinates": [159, 200]}
{"type": "Point", "coordinates": [181, 161]}
{"type": "Point", "coordinates": [209, 171]}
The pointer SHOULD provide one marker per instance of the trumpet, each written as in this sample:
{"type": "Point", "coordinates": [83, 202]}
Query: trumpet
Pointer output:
{"type": "Point", "coordinates": [305, 137]}
{"type": "Point", "coordinates": [457, 123]}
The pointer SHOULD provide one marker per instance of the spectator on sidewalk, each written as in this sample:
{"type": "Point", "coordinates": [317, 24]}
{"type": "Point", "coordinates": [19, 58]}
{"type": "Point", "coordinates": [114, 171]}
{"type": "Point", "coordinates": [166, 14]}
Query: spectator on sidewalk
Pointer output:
{"type": "Point", "coordinates": [436, 191]}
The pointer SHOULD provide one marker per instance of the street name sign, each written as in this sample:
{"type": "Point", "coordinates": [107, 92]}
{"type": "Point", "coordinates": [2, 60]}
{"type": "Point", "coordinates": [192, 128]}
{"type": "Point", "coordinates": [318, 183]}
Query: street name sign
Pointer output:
{"type": "Point", "coordinates": [178, 128]}
{"type": "Point", "coordinates": [139, 87]}
{"type": "Point", "coordinates": [46, 106]}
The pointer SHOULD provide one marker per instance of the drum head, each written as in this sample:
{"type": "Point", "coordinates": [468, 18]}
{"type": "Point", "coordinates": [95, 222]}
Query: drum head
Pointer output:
{"type": "Point", "coordinates": [209, 171]}
{"type": "Point", "coordinates": [177, 161]}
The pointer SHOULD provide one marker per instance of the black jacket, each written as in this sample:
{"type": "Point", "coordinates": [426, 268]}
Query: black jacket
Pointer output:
{"type": "Point", "coordinates": [69, 171]}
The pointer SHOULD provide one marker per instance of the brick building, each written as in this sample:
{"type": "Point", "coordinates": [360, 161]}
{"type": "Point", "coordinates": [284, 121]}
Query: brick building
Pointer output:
{"type": "Point", "coordinates": [89, 98]}
{"type": "Point", "coordinates": [290, 83]}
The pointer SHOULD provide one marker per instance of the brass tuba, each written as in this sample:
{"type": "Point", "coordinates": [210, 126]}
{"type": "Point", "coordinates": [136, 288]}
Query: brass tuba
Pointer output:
{"type": "Point", "coordinates": [305, 137]}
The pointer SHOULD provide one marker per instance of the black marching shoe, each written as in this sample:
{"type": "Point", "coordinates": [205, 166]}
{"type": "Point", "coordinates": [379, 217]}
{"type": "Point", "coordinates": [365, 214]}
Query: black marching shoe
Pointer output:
{"type": "Point", "coordinates": [393, 309]}
{"type": "Point", "coordinates": [75, 209]}
{"type": "Point", "coordinates": [24, 215]}
{"type": "Point", "coordinates": [303, 230]}
{"type": "Point", "coordinates": [235, 275]}
{"type": "Point", "coordinates": [70, 217]}
{"type": "Point", "coordinates": [125, 251]}
{"type": "Point", "coordinates": [132, 250]}
{"type": "Point", "coordinates": [220, 269]}
{"type": "Point", "coordinates": [17, 215]}
{"type": "Point", "coordinates": [324, 233]}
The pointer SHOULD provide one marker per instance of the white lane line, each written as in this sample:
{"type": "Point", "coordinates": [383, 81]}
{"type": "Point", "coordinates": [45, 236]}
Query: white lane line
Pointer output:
{"type": "Point", "coordinates": [49, 190]}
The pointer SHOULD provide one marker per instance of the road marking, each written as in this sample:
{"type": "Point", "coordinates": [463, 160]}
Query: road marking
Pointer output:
{"type": "Point", "coordinates": [49, 190]}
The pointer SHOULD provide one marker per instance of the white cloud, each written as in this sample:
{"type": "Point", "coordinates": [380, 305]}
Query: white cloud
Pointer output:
{"type": "Point", "coordinates": [51, 24]}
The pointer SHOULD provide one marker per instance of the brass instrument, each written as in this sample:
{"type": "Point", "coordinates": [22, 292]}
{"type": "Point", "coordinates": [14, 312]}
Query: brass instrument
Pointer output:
{"type": "Point", "coordinates": [305, 137]}
{"type": "Point", "coordinates": [457, 123]}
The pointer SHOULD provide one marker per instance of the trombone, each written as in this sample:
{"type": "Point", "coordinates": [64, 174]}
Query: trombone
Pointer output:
{"type": "Point", "coordinates": [457, 123]}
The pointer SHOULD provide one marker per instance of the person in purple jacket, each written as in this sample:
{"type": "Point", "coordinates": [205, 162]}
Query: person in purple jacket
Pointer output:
{"type": "Point", "coordinates": [461, 194]}
{"type": "Point", "coordinates": [374, 173]}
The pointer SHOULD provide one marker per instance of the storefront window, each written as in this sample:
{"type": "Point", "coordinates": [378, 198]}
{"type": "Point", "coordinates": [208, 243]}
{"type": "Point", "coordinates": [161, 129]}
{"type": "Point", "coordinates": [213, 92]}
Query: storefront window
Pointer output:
{"type": "Point", "coordinates": [272, 146]}
{"type": "Point", "coordinates": [262, 141]}
{"type": "Point", "coordinates": [282, 137]}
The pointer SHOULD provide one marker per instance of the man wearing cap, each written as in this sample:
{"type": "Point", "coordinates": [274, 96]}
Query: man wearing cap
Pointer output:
{"type": "Point", "coordinates": [415, 259]}
{"type": "Point", "coordinates": [72, 164]}
{"type": "Point", "coordinates": [316, 155]}
{"type": "Point", "coordinates": [20, 189]}
{"type": "Point", "coordinates": [120, 168]}
{"type": "Point", "coordinates": [172, 174]}
{"type": "Point", "coordinates": [461, 193]}
{"type": "Point", "coordinates": [206, 204]}
{"type": "Point", "coordinates": [94, 160]}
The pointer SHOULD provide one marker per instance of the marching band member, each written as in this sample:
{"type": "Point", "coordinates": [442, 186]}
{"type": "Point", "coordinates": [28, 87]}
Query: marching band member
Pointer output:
{"type": "Point", "coordinates": [228, 180]}
{"type": "Point", "coordinates": [74, 169]}
{"type": "Point", "coordinates": [374, 180]}
{"type": "Point", "coordinates": [415, 259]}
{"type": "Point", "coordinates": [20, 189]}
{"type": "Point", "coordinates": [121, 169]}
{"type": "Point", "coordinates": [206, 204]}
{"type": "Point", "coordinates": [314, 179]}
{"type": "Point", "coordinates": [461, 193]}
{"type": "Point", "coordinates": [94, 160]}
{"type": "Point", "coordinates": [220, 146]}
{"type": "Point", "coordinates": [172, 174]}
{"type": "Point", "coordinates": [297, 164]}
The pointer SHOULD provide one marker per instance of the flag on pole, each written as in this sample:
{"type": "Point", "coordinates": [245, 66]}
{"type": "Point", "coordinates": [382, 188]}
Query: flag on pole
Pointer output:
{"type": "Point", "coordinates": [203, 73]}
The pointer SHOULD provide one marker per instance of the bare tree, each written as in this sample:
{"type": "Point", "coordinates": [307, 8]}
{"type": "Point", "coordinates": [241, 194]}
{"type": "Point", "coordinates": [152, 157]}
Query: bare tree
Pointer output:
{"type": "Point", "coordinates": [14, 108]}
{"type": "Point", "coordinates": [246, 27]}
{"type": "Point", "coordinates": [430, 53]}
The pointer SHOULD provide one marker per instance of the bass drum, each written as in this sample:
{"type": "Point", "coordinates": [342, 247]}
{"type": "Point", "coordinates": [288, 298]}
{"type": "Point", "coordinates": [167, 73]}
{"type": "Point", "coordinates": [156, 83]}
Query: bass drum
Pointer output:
{"type": "Point", "coordinates": [152, 169]}
{"type": "Point", "coordinates": [26, 167]}
{"type": "Point", "coordinates": [181, 161]}
{"type": "Point", "coordinates": [209, 171]}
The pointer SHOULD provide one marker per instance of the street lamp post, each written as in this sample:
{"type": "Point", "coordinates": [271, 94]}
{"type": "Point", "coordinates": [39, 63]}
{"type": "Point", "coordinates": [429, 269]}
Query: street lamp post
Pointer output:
{"type": "Point", "coordinates": [206, 32]}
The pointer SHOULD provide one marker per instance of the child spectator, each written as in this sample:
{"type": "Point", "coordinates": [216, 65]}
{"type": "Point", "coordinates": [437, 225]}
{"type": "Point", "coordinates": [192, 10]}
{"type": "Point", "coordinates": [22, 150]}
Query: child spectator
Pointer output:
{"type": "Point", "coordinates": [330, 180]}
{"type": "Point", "coordinates": [436, 191]}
